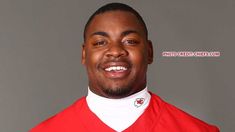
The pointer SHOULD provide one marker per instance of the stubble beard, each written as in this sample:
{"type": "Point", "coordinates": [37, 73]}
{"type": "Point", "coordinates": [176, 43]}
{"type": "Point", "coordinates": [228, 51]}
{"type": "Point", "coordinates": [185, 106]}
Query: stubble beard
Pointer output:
{"type": "Point", "coordinates": [117, 92]}
{"type": "Point", "coordinates": [117, 88]}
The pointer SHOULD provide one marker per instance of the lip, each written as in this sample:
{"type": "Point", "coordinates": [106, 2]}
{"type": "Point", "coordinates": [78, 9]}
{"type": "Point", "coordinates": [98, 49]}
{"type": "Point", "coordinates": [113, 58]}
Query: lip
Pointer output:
{"type": "Point", "coordinates": [119, 74]}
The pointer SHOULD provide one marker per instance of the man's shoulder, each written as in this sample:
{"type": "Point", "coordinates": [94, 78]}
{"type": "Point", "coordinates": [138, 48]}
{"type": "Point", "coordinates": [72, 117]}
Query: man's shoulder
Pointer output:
{"type": "Point", "coordinates": [63, 119]}
{"type": "Point", "coordinates": [173, 118]}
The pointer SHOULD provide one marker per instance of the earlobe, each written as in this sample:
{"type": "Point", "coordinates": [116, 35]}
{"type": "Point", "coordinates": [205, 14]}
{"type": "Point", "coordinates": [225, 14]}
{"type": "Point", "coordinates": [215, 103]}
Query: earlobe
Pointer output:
{"type": "Point", "coordinates": [150, 52]}
{"type": "Point", "coordinates": [83, 54]}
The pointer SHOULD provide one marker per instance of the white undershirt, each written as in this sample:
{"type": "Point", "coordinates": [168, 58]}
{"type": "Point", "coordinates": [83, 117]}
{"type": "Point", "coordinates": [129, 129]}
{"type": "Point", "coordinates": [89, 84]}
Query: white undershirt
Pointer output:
{"type": "Point", "coordinates": [118, 114]}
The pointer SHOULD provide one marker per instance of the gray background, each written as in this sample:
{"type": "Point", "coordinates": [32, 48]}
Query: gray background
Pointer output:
{"type": "Point", "coordinates": [40, 47]}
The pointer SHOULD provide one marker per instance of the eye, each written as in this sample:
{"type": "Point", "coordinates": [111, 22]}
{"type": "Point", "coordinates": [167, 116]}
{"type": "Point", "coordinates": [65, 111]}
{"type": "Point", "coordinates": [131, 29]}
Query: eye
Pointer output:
{"type": "Point", "coordinates": [100, 43]}
{"type": "Point", "coordinates": [130, 42]}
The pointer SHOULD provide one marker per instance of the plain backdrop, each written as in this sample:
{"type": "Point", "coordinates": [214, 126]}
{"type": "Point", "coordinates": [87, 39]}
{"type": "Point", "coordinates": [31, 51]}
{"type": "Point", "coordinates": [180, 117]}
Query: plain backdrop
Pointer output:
{"type": "Point", "coordinates": [40, 57]}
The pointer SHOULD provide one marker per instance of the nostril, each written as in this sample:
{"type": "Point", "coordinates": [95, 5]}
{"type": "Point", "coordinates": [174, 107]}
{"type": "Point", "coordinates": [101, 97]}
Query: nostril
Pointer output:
{"type": "Point", "coordinates": [116, 51]}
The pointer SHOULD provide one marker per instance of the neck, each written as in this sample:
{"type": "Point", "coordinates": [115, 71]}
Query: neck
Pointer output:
{"type": "Point", "coordinates": [117, 95]}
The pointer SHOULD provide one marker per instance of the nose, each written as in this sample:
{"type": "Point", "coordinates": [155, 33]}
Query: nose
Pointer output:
{"type": "Point", "coordinates": [116, 50]}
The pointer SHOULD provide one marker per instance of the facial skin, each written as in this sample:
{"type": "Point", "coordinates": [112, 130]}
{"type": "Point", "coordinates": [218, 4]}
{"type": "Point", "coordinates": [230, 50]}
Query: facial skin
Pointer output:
{"type": "Point", "coordinates": [116, 54]}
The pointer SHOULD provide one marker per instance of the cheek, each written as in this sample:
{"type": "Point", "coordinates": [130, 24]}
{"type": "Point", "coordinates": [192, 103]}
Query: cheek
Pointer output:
{"type": "Point", "coordinates": [138, 58]}
{"type": "Point", "coordinates": [92, 59]}
{"type": "Point", "coordinates": [91, 65]}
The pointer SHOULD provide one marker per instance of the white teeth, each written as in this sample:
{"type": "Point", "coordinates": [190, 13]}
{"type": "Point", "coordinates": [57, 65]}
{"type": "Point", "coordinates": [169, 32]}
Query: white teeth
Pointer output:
{"type": "Point", "coordinates": [115, 68]}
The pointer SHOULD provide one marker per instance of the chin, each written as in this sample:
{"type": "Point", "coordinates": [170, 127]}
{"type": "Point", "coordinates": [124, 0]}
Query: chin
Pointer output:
{"type": "Point", "coordinates": [117, 92]}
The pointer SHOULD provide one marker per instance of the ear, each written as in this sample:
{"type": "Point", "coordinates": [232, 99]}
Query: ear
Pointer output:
{"type": "Point", "coordinates": [150, 52]}
{"type": "Point", "coordinates": [83, 54]}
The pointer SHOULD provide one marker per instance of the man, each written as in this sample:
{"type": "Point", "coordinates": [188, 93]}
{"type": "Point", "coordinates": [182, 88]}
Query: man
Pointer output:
{"type": "Point", "coordinates": [116, 53]}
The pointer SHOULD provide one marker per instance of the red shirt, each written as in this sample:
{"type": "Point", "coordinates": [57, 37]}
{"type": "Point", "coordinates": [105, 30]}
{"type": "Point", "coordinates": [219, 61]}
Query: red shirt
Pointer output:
{"type": "Point", "coordinates": [159, 116]}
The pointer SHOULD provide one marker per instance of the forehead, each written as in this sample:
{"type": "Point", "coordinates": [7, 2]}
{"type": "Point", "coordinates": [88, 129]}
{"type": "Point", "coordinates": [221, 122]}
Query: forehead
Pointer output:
{"type": "Point", "coordinates": [115, 21]}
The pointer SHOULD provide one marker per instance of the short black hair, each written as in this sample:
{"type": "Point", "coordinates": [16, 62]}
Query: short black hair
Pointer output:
{"type": "Point", "coordinates": [115, 7]}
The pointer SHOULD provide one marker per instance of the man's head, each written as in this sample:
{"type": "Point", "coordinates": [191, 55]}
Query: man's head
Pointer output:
{"type": "Point", "coordinates": [116, 51]}
{"type": "Point", "coordinates": [115, 7]}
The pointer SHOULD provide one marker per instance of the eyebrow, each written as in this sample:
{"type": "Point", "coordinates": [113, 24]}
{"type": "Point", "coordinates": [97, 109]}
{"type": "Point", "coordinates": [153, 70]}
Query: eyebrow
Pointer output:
{"type": "Point", "coordinates": [100, 33]}
{"type": "Point", "coordinates": [125, 33]}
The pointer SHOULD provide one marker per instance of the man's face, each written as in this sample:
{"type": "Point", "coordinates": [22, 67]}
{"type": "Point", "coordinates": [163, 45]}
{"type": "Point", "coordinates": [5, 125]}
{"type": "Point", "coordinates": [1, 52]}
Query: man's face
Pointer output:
{"type": "Point", "coordinates": [116, 54]}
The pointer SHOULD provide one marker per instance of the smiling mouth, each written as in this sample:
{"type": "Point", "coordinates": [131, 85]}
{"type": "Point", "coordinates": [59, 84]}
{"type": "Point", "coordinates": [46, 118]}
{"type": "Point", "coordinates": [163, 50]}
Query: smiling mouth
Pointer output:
{"type": "Point", "coordinates": [116, 70]}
